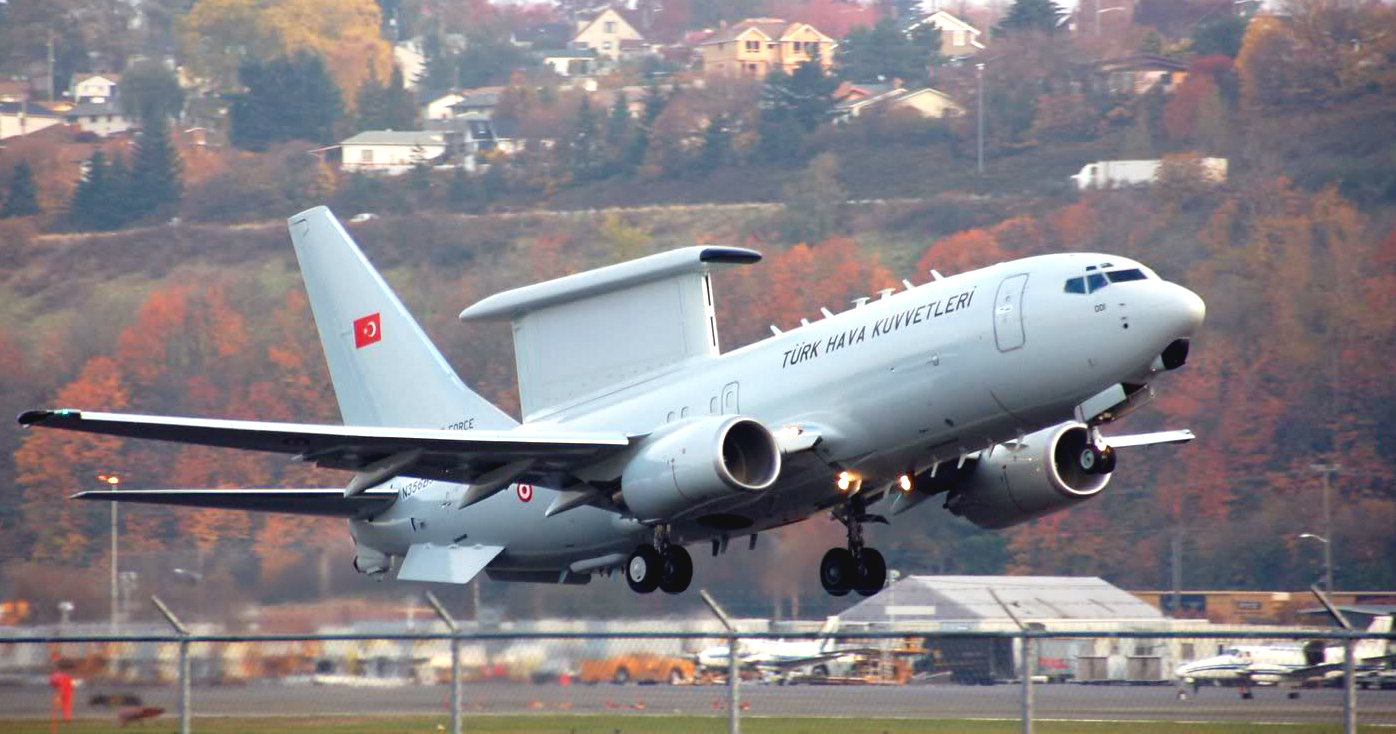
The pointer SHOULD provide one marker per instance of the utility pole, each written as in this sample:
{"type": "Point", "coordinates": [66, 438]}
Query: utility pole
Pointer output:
{"type": "Point", "coordinates": [979, 75]}
{"type": "Point", "coordinates": [113, 481]}
{"type": "Point", "coordinates": [1326, 470]}
{"type": "Point", "coordinates": [52, 82]}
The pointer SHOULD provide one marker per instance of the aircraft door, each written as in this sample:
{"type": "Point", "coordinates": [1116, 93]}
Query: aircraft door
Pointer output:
{"type": "Point", "coordinates": [729, 399]}
{"type": "Point", "coordinates": [1008, 313]}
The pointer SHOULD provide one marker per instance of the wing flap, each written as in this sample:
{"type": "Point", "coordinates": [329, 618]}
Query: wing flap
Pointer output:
{"type": "Point", "coordinates": [446, 564]}
{"type": "Point", "coordinates": [319, 502]}
{"type": "Point", "coordinates": [1150, 439]}
{"type": "Point", "coordinates": [447, 455]}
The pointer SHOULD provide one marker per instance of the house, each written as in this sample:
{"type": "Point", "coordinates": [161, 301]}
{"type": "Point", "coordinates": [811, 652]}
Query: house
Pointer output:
{"type": "Point", "coordinates": [480, 136]}
{"type": "Point", "coordinates": [23, 118]}
{"type": "Point", "coordinates": [759, 46]}
{"type": "Point", "coordinates": [570, 62]}
{"type": "Point", "coordinates": [13, 90]}
{"type": "Point", "coordinates": [855, 99]}
{"type": "Point", "coordinates": [1135, 75]}
{"type": "Point", "coordinates": [958, 39]}
{"type": "Point", "coordinates": [391, 152]}
{"type": "Point", "coordinates": [440, 108]}
{"type": "Point", "coordinates": [94, 87]}
{"type": "Point", "coordinates": [476, 103]}
{"type": "Point", "coordinates": [604, 34]}
{"type": "Point", "coordinates": [98, 118]}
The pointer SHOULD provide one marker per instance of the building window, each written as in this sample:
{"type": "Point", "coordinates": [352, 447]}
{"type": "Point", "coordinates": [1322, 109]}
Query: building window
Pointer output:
{"type": "Point", "coordinates": [606, 46]}
{"type": "Point", "coordinates": [366, 155]}
{"type": "Point", "coordinates": [751, 68]}
{"type": "Point", "coordinates": [610, 26]}
{"type": "Point", "coordinates": [957, 38]}
{"type": "Point", "coordinates": [753, 45]}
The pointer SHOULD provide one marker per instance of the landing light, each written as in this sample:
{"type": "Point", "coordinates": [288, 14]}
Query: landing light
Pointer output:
{"type": "Point", "coordinates": [845, 481]}
{"type": "Point", "coordinates": [788, 432]}
{"type": "Point", "coordinates": [905, 482]}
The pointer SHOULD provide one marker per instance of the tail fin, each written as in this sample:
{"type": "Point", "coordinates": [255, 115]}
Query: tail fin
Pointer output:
{"type": "Point", "coordinates": [1372, 648]}
{"type": "Point", "coordinates": [384, 369]}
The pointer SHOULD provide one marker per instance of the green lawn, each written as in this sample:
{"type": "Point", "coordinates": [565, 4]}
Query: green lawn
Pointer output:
{"type": "Point", "coordinates": [642, 724]}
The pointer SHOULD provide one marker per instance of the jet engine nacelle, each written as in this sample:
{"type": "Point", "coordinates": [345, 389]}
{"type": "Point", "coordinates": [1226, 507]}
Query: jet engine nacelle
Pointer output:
{"type": "Point", "coordinates": [1019, 481]}
{"type": "Point", "coordinates": [371, 561]}
{"type": "Point", "coordinates": [695, 464]}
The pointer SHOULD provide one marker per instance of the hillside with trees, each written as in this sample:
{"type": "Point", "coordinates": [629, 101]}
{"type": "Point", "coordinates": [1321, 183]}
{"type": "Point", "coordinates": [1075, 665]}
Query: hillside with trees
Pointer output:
{"type": "Point", "coordinates": [107, 304]}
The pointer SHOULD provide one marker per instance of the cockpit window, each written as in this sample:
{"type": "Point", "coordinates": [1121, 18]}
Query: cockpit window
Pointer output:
{"type": "Point", "coordinates": [1076, 285]}
{"type": "Point", "coordinates": [1121, 276]}
{"type": "Point", "coordinates": [1095, 281]}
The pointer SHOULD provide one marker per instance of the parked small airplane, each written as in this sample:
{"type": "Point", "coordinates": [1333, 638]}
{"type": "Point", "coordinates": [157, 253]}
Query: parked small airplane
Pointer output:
{"type": "Point", "coordinates": [1252, 665]}
{"type": "Point", "coordinates": [639, 436]}
{"type": "Point", "coordinates": [782, 657]}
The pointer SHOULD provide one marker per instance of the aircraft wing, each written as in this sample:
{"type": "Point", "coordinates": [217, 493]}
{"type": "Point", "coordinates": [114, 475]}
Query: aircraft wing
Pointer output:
{"type": "Point", "coordinates": [1361, 664]}
{"type": "Point", "coordinates": [446, 455]}
{"type": "Point", "coordinates": [321, 502]}
{"type": "Point", "coordinates": [783, 664]}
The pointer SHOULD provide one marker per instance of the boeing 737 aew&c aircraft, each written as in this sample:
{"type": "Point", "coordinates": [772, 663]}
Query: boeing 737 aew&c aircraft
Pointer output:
{"type": "Point", "coordinates": [639, 437]}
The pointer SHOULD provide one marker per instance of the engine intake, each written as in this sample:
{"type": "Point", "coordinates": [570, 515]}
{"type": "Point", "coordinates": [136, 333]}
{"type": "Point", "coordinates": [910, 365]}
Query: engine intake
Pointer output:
{"type": "Point", "coordinates": [1020, 481]}
{"type": "Point", "coordinates": [697, 464]}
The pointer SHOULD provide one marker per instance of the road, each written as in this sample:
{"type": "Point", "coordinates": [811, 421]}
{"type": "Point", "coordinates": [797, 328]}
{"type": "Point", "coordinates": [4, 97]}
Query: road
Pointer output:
{"type": "Point", "coordinates": [1060, 702]}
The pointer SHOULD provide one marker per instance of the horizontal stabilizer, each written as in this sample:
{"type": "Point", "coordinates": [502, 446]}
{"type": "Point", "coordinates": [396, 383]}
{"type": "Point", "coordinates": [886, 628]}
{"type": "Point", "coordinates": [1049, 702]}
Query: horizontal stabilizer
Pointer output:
{"type": "Point", "coordinates": [445, 455]}
{"type": "Point", "coordinates": [1149, 439]}
{"type": "Point", "coordinates": [446, 564]}
{"type": "Point", "coordinates": [321, 502]}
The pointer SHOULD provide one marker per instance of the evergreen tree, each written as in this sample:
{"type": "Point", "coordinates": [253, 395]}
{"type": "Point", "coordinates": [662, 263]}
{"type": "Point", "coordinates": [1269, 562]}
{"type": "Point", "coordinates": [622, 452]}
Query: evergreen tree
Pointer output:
{"type": "Point", "coordinates": [114, 210]}
{"type": "Point", "coordinates": [285, 99]}
{"type": "Point", "coordinates": [149, 89]}
{"type": "Point", "coordinates": [156, 185]}
{"type": "Point", "coordinates": [22, 199]}
{"type": "Point", "coordinates": [583, 144]}
{"type": "Point", "coordinates": [1028, 16]}
{"type": "Point", "coordinates": [98, 201]}
{"type": "Point", "coordinates": [886, 52]}
{"type": "Point", "coordinates": [792, 106]}
{"type": "Point", "coordinates": [717, 145]}
{"type": "Point", "coordinates": [385, 108]}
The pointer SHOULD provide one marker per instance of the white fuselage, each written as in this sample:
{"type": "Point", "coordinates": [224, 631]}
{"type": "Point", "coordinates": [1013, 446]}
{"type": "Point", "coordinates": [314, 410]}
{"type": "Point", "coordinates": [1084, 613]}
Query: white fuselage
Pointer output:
{"type": "Point", "coordinates": [925, 375]}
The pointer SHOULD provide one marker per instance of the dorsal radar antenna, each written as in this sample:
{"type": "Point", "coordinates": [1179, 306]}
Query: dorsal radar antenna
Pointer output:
{"type": "Point", "coordinates": [885, 292]}
{"type": "Point", "coordinates": [804, 322]}
{"type": "Point", "coordinates": [907, 283]}
{"type": "Point", "coordinates": [826, 312]}
{"type": "Point", "coordinates": [776, 331]}
{"type": "Point", "coordinates": [936, 274]}
{"type": "Point", "coordinates": [860, 301]}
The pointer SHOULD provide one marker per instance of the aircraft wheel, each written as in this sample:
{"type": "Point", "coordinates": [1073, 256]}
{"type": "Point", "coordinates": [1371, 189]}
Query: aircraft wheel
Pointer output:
{"type": "Point", "coordinates": [870, 572]}
{"type": "Point", "coordinates": [676, 571]}
{"type": "Point", "coordinates": [643, 569]}
{"type": "Point", "coordinates": [1108, 463]}
{"type": "Point", "coordinates": [836, 571]}
{"type": "Point", "coordinates": [1090, 460]}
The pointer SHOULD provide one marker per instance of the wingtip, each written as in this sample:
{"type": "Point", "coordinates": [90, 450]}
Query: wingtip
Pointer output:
{"type": "Point", "coordinates": [31, 417]}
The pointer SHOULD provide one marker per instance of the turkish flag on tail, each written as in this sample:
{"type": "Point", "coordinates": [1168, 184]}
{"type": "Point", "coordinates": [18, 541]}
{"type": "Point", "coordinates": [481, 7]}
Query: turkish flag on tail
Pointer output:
{"type": "Point", "coordinates": [368, 330]}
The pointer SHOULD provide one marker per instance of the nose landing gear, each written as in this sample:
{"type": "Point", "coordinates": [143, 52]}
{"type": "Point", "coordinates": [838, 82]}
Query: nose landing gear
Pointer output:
{"type": "Point", "coordinates": [663, 566]}
{"type": "Point", "coordinates": [855, 568]}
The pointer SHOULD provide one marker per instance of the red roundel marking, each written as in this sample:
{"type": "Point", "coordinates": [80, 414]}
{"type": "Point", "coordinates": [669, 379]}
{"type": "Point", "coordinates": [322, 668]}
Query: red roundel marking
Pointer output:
{"type": "Point", "coordinates": [525, 492]}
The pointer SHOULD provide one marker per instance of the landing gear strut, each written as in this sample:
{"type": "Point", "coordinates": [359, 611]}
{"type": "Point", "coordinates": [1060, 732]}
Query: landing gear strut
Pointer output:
{"type": "Point", "coordinates": [855, 568]}
{"type": "Point", "coordinates": [663, 566]}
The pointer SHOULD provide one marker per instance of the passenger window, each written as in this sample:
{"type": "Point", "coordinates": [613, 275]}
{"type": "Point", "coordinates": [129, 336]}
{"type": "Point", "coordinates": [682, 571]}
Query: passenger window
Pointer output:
{"type": "Point", "coordinates": [712, 406]}
{"type": "Point", "coordinates": [670, 419]}
{"type": "Point", "coordinates": [1076, 285]}
{"type": "Point", "coordinates": [683, 413]}
{"type": "Point", "coordinates": [1121, 276]}
{"type": "Point", "coordinates": [1096, 281]}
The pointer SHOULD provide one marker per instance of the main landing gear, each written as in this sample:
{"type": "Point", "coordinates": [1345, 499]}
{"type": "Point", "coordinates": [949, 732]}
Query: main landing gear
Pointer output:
{"type": "Point", "coordinates": [855, 568]}
{"type": "Point", "coordinates": [663, 566]}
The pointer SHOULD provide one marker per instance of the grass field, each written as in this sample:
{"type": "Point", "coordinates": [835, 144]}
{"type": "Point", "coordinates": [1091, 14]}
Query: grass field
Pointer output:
{"type": "Point", "coordinates": [646, 724]}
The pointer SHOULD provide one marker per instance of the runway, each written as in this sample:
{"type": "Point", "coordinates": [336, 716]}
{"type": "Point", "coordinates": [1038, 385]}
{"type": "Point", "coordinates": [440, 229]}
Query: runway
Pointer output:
{"type": "Point", "coordinates": [1059, 702]}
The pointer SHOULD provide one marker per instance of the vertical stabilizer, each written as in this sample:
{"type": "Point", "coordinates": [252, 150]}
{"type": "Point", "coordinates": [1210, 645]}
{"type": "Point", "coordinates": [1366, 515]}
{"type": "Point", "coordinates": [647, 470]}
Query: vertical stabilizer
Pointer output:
{"type": "Point", "coordinates": [385, 370]}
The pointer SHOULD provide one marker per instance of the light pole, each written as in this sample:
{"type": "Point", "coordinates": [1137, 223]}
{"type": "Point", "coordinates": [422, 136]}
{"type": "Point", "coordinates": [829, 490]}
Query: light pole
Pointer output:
{"type": "Point", "coordinates": [1326, 470]}
{"type": "Point", "coordinates": [112, 481]}
{"type": "Point", "coordinates": [1327, 561]}
{"type": "Point", "coordinates": [979, 75]}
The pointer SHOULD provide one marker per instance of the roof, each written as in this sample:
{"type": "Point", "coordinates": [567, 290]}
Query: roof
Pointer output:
{"type": "Point", "coordinates": [31, 109]}
{"type": "Point", "coordinates": [567, 53]}
{"type": "Point", "coordinates": [394, 137]}
{"type": "Point", "coordinates": [482, 97]}
{"type": "Point", "coordinates": [94, 108]}
{"type": "Point", "coordinates": [85, 76]}
{"type": "Point", "coordinates": [942, 20]}
{"type": "Point", "coordinates": [966, 599]}
{"type": "Point", "coordinates": [774, 29]}
{"type": "Point", "coordinates": [1142, 62]}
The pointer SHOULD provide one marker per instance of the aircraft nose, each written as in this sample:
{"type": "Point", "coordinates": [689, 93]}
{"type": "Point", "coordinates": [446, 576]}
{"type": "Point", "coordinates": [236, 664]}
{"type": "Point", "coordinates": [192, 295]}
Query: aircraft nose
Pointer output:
{"type": "Point", "coordinates": [1186, 308]}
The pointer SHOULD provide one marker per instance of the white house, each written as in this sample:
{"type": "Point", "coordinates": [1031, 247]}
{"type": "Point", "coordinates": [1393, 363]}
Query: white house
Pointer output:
{"type": "Point", "coordinates": [103, 119]}
{"type": "Point", "coordinates": [958, 39]}
{"type": "Point", "coordinates": [392, 152]}
{"type": "Point", "coordinates": [604, 33]}
{"type": "Point", "coordinates": [440, 108]}
{"type": "Point", "coordinates": [570, 62]}
{"type": "Point", "coordinates": [22, 118]}
{"type": "Point", "coordinates": [94, 87]}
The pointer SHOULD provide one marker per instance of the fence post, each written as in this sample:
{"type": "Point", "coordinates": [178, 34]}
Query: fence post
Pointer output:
{"type": "Point", "coordinates": [455, 658]}
{"type": "Point", "coordinates": [734, 666]}
{"type": "Point", "coordinates": [1028, 660]}
{"type": "Point", "coordinates": [183, 632]}
{"type": "Point", "coordinates": [1349, 686]}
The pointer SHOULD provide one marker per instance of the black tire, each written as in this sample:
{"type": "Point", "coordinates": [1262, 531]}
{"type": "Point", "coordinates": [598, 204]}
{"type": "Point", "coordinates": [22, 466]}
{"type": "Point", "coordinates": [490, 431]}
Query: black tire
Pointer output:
{"type": "Point", "coordinates": [676, 572]}
{"type": "Point", "coordinates": [1108, 465]}
{"type": "Point", "coordinates": [870, 572]}
{"type": "Point", "coordinates": [642, 569]}
{"type": "Point", "coordinates": [836, 571]}
{"type": "Point", "coordinates": [676, 677]}
{"type": "Point", "coordinates": [621, 677]}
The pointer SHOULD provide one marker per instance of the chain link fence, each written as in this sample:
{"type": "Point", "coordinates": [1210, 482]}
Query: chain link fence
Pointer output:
{"type": "Point", "coordinates": [451, 676]}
